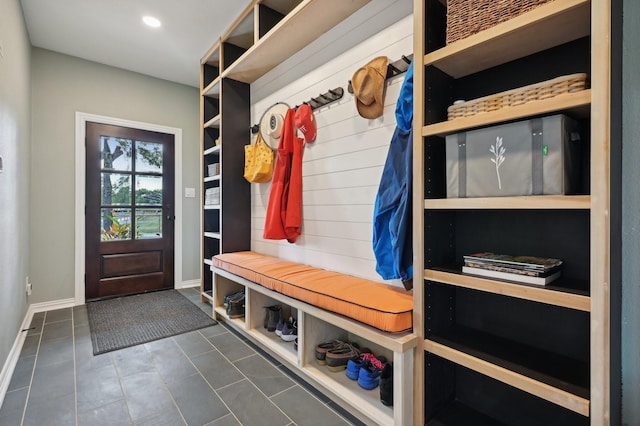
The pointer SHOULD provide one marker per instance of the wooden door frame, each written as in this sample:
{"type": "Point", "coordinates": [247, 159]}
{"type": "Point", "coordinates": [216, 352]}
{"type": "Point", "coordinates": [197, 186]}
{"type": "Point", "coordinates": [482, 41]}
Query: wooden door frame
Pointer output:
{"type": "Point", "coordinates": [80, 166]}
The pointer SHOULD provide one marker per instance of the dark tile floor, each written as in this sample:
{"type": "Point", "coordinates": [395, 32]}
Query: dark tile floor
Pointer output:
{"type": "Point", "coordinates": [210, 376]}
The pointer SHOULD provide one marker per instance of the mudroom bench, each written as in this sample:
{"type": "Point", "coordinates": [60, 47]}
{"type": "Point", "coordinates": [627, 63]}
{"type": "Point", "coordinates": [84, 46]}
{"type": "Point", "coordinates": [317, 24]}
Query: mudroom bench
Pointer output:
{"type": "Point", "coordinates": [326, 305]}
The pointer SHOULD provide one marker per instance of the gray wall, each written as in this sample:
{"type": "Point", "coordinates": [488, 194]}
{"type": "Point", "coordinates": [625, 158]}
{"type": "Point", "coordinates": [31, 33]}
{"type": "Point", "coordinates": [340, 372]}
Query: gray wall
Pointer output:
{"type": "Point", "coordinates": [15, 99]}
{"type": "Point", "coordinates": [630, 214]}
{"type": "Point", "coordinates": [61, 86]}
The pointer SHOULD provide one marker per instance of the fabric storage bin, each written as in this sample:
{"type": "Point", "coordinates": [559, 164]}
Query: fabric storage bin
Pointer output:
{"type": "Point", "coordinates": [213, 169]}
{"type": "Point", "coordinates": [212, 196]}
{"type": "Point", "coordinates": [540, 156]}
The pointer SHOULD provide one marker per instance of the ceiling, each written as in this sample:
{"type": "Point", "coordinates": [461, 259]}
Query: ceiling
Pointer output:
{"type": "Point", "coordinates": [111, 32]}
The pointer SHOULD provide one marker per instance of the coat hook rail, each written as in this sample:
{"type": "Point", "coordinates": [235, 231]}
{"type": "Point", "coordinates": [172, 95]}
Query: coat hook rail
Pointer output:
{"type": "Point", "coordinates": [315, 103]}
{"type": "Point", "coordinates": [393, 69]}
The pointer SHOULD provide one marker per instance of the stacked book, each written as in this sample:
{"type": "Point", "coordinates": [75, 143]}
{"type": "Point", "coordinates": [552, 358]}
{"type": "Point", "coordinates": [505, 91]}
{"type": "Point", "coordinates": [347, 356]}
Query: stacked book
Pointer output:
{"type": "Point", "coordinates": [524, 269]}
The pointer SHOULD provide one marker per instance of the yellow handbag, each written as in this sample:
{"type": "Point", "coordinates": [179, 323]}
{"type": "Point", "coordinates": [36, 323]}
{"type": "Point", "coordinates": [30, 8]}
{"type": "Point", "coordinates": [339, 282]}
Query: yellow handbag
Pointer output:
{"type": "Point", "coordinates": [258, 161]}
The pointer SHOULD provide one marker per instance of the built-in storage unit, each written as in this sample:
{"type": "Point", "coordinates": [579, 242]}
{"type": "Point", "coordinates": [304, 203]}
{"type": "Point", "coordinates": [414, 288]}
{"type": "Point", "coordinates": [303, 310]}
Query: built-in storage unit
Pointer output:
{"type": "Point", "coordinates": [315, 326]}
{"type": "Point", "coordinates": [497, 352]}
{"type": "Point", "coordinates": [264, 35]}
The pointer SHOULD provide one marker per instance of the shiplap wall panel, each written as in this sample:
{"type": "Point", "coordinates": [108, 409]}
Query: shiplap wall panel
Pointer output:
{"type": "Point", "coordinates": [342, 168]}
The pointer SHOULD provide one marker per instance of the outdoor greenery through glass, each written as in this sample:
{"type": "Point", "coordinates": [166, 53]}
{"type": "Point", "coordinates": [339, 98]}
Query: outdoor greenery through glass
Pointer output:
{"type": "Point", "coordinates": [119, 213]}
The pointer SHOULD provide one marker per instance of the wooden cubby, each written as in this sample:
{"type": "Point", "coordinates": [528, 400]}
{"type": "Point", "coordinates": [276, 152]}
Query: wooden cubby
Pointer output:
{"type": "Point", "coordinates": [317, 325]}
{"type": "Point", "coordinates": [499, 352]}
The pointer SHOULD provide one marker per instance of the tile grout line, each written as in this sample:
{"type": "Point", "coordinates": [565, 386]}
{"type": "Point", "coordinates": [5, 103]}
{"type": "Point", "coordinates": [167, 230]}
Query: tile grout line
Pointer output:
{"type": "Point", "coordinates": [33, 370]}
{"type": "Point", "coordinates": [204, 378]}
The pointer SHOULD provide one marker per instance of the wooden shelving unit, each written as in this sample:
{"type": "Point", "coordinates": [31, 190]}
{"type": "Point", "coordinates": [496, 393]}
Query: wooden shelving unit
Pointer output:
{"type": "Point", "coordinates": [543, 351]}
{"type": "Point", "coordinates": [264, 34]}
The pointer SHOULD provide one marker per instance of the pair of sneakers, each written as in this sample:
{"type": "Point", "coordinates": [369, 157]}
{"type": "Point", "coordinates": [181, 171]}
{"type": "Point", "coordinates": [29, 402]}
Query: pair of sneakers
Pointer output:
{"type": "Point", "coordinates": [288, 330]}
{"type": "Point", "coordinates": [366, 368]}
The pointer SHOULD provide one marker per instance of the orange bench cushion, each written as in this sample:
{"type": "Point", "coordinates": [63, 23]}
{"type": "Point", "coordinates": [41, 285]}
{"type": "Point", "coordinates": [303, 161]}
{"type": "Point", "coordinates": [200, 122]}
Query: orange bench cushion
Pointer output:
{"type": "Point", "coordinates": [380, 305]}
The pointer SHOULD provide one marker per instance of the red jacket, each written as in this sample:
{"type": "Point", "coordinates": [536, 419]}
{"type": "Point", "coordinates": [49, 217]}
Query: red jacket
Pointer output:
{"type": "Point", "coordinates": [284, 211]}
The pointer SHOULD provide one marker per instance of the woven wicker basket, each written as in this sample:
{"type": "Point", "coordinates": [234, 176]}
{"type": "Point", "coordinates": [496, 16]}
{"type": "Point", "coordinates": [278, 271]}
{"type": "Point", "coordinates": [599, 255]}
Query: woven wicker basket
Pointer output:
{"type": "Point", "coordinates": [522, 95]}
{"type": "Point", "coordinates": [467, 17]}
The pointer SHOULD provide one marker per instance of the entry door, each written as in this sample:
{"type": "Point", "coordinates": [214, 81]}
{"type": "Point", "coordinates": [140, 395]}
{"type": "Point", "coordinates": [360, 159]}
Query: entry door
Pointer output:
{"type": "Point", "coordinates": [129, 223]}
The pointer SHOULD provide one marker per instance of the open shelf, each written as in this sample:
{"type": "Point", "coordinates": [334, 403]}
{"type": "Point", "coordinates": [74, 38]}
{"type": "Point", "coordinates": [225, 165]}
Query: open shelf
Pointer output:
{"type": "Point", "coordinates": [212, 150]}
{"type": "Point", "coordinates": [551, 24]}
{"type": "Point", "coordinates": [555, 294]}
{"type": "Point", "coordinates": [214, 122]}
{"type": "Point", "coordinates": [560, 380]}
{"type": "Point", "coordinates": [208, 295]}
{"type": "Point", "coordinates": [273, 342]}
{"type": "Point", "coordinates": [456, 413]}
{"type": "Point", "coordinates": [304, 24]}
{"type": "Point", "coordinates": [213, 89]}
{"type": "Point", "coordinates": [580, 202]}
{"type": "Point", "coordinates": [577, 104]}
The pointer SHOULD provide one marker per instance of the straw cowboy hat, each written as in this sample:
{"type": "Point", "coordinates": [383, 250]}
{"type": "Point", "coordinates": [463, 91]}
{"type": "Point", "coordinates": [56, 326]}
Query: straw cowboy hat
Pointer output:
{"type": "Point", "coordinates": [368, 87]}
{"type": "Point", "coordinates": [271, 123]}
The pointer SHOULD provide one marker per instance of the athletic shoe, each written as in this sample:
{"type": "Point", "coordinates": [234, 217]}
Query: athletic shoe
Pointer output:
{"type": "Point", "coordinates": [369, 375]}
{"type": "Point", "coordinates": [386, 385]}
{"type": "Point", "coordinates": [355, 363]}
{"type": "Point", "coordinates": [289, 331]}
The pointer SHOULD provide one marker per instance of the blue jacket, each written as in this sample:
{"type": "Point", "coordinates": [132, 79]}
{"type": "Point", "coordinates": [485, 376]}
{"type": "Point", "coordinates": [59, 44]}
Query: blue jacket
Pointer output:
{"type": "Point", "coordinates": [392, 218]}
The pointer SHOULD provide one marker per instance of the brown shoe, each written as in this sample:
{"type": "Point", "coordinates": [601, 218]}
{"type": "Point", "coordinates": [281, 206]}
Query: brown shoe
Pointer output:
{"type": "Point", "coordinates": [322, 348]}
{"type": "Point", "coordinates": [337, 358]}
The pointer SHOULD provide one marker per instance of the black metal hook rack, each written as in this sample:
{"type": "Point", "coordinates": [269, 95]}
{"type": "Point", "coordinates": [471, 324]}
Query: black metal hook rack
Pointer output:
{"type": "Point", "coordinates": [323, 99]}
{"type": "Point", "coordinates": [393, 69]}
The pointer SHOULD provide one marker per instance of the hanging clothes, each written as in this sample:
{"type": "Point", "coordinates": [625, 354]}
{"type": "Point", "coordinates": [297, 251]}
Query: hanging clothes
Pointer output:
{"type": "Point", "coordinates": [284, 209]}
{"type": "Point", "coordinates": [392, 216]}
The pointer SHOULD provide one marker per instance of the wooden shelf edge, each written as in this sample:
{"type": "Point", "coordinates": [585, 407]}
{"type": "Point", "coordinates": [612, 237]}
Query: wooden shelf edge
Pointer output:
{"type": "Point", "coordinates": [237, 322]}
{"type": "Point", "coordinates": [212, 235]}
{"type": "Point", "coordinates": [542, 390]}
{"type": "Point", "coordinates": [214, 122]}
{"type": "Point", "coordinates": [569, 101]}
{"type": "Point", "coordinates": [212, 178]}
{"type": "Point", "coordinates": [212, 150]}
{"type": "Point", "coordinates": [212, 89]}
{"type": "Point", "coordinates": [208, 262]}
{"type": "Point", "coordinates": [207, 295]}
{"type": "Point", "coordinates": [553, 23]}
{"type": "Point", "coordinates": [279, 347]}
{"type": "Point", "coordinates": [533, 293]}
{"type": "Point", "coordinates": [212, 206]}
{"type": "Point", "coordinates": [304, 24]}
{"type": "Point", "coordinates": [559, 202]}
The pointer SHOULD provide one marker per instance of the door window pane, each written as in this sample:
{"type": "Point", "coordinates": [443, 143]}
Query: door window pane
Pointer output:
{"type": "Point", "coordinates": [115, 153]}
{"type": "Point", "coordinates": [148, 157]}
{"type": "Point", "coordinates": [148, 223]}
{"type": "Point", "coordinates": [116, 189]}
{"type": "Point", "coordinates": [115, 224]}
{"type": "Point", "coordinates": [148, 190]}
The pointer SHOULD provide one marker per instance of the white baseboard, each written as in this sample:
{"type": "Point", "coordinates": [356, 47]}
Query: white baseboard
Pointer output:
{"type": "Point", "coordinates": [14, 354]}
{"type": "Point", "coordinates": [189, 284]}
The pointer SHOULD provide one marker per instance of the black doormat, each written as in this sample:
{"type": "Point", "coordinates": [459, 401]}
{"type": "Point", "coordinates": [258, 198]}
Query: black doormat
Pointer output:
{"type": "Point", "coordinates": [141, 318]}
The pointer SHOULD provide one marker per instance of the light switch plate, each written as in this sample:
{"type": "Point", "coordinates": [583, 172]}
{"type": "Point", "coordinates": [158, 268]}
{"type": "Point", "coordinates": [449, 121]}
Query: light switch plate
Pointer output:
{"type": "Point", "coordinates": [190, 192]}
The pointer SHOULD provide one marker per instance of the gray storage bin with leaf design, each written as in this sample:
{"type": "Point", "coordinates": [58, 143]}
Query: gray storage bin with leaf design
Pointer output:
{"type": "Point", "coordinates": [540, 156]}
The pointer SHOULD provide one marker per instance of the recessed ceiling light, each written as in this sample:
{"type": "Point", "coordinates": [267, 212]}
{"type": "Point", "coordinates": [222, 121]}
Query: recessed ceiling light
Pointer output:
{"type": "Point", "coordinates": [151, 21]}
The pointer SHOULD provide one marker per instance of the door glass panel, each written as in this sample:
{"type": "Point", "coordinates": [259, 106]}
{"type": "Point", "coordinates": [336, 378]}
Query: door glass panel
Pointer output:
{"type": "Point", "coordinates": [148, 223]}
{"type": "Point", "coordinates": [115, 153]}
{"type": "Point", "coordinates": [148, 190]}
{"type": "Point", "coordinates": [148, 157]}
{"type": "Point", "coordinates": [116, 189]}
{"type": "Point", "coordinates": [115, 224]}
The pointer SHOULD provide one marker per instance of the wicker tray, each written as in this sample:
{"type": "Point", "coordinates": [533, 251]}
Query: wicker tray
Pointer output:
{"type": "Point", "coordinates": [467, 17]}
{"type": "Point", "coordinates": [544, 90]}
